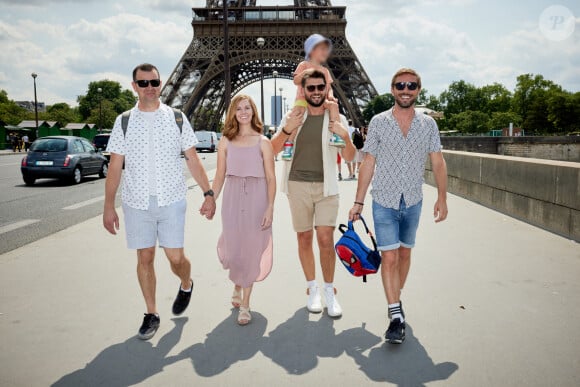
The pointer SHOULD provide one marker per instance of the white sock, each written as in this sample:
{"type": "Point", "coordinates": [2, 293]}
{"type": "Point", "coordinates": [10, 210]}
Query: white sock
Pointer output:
{"type": "Point", "coordinates": [329, 285]}
{"type": "Point", "coordinates": [395, 310]}
{"type": "Point", "coordinates": [312, 284]}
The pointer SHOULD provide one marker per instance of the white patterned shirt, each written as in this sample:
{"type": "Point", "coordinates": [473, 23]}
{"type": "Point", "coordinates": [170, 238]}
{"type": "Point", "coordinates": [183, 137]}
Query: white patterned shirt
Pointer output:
{"type": "Point", "coordinates": [400, 160]}
{"type": "Point", "coordinates": [168, 145]}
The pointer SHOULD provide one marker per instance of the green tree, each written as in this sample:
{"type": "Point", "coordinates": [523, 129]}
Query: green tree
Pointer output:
{"type": "Point", "coordinates": [433, 103]}
{"type": "Point", "coordinates": [111, 91]}
{"type": "Point", "coordinates": [563, 111]}
{"type": "Point", "coordinates": [10, 112]}
{"type": "Point", "coordinates": [377, 105]}
{"type": "Point", "coordinates": [530, 101]}
{"type": "Point", "coordinates": [62, 113]}
{"type": "Point", "coordinates": [495, 98]}
{"type": "Point", "coordinates": [460, 97]}
{"type": "Point", "coordinates": [103, 117]}
{"type": "Point", "coordinates": [500, 120]}
{"type": "Point", "coordinates": [469, 121]}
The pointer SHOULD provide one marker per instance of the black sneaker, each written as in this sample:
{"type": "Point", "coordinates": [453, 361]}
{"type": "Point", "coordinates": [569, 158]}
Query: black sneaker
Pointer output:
{"type": "Point", "coordinates": [149, 327]}
{"type": "Point", "coordinates": [340, 177]}
{"type": "Point", "coordinates": [396, 332]}
{"type": "Point", "coordinates": [182, 300]}
{"type": "Point", "coordinates": [402, 311]}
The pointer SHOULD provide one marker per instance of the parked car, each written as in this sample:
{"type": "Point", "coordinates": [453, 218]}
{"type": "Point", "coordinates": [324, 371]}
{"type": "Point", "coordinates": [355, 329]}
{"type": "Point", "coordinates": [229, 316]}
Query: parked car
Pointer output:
{"type": "Point", "coordinates": [207, 141]}
{"type": "Point", "coordinates": [100, 142]}
{"type": "Point", "coordinates": [62, 157]}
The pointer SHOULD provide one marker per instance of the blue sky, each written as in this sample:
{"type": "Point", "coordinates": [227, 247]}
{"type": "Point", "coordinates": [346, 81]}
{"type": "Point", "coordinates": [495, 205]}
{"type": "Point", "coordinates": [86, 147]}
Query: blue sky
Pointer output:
{"type": "Point", "coordinates": [72, 42]}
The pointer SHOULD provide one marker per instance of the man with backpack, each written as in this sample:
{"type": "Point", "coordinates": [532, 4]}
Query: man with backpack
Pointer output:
{"type": "Point", "coordinates": [149, 140]}
{"type": "Point", "coordinates": [359, 142]}
{"type": "Point", "coordinates": [398, 144]}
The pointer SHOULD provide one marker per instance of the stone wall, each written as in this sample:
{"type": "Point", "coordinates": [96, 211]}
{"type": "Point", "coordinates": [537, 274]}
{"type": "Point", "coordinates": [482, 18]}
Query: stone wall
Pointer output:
{"type": "Point", "coordinates": [541, 192]}
{"type": "Point", "coordinates": [562, 148]}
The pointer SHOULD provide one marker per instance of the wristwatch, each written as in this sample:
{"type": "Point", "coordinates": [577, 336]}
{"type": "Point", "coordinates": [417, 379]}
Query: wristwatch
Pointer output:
{"type": "Point", "coordinates": [208, 193]}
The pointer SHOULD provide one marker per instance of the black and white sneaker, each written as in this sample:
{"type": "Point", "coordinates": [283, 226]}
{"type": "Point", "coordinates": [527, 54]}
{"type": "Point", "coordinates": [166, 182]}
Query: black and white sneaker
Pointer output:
{"type": "Point", "coordinates": [182, 300]}
{"type": "Point", "coordinates": [149, 327]}
{"type": "Point", "coordinates": [396, 332]}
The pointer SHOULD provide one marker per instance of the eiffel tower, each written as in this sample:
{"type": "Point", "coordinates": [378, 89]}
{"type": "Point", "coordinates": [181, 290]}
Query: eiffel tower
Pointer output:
{"type": "Point", "coordinates": [197, 84]}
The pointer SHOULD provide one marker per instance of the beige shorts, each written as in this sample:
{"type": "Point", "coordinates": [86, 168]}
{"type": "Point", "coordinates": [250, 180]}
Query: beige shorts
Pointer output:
{"type": "Point", "coordinates": [310, 207]}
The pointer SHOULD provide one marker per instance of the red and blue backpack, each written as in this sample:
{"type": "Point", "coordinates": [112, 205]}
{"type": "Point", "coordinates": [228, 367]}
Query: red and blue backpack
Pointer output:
{"type": "Point", "coordinates": [356, 257]}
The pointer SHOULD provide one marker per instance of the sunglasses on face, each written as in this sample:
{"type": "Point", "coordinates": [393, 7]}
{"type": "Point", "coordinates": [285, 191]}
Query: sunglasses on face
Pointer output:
{"type": "Point", "coordinates": [410, 85]}
{"type": "Point", "coordinates": [144, 83]}
{"type": "Point", "coordinates": [312, 88]}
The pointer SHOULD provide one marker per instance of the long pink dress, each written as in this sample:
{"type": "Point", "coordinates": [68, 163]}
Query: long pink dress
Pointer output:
{"type": "Point", "coordinates": [244, 248]}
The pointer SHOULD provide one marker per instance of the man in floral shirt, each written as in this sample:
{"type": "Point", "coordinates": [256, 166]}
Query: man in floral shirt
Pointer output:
{"type": "Point", "coordinates": [149, 142]}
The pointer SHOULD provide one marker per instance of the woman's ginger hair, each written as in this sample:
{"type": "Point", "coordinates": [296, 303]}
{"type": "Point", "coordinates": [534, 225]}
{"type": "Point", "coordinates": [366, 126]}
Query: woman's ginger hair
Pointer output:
{"type": "Point", "coordinates": [231, 126]}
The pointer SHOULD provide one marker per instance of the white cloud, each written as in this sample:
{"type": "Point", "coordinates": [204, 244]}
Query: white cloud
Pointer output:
{"type": "Point", "coordinates": [68, 57]}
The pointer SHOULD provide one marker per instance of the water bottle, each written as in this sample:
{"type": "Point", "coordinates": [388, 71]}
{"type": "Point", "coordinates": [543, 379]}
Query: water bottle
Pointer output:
{"type": "Point", "coordinates": [288, 151]}
{"type": "Point", "coordinates": [336, 141]}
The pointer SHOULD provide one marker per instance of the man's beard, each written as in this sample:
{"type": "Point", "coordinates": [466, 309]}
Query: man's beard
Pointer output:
{"type": "Point", "coordinates": [314, 104]}
{"type": "Point", "coordinates": [405, 104]}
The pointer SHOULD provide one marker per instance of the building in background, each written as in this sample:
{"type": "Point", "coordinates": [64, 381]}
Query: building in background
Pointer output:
{"type": "Point", "coordinates": [276, 108]}
{"type": "Point", "coordinates": [29, 105]}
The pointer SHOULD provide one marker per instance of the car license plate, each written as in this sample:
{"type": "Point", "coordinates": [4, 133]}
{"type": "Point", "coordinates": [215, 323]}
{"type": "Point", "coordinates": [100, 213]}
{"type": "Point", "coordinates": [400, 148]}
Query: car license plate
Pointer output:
{"type": "Point", "coordinates": [44, 163]}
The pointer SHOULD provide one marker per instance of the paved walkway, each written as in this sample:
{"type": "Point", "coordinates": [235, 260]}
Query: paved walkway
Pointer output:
{"type": "Point", "coordinates": [490, 301]}
{"type": "Point", "coordinates": [8, 152]}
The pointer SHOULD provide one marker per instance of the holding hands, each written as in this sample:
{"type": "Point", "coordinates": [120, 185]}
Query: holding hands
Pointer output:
{"type": "Point", "coordinates": [208, 208]}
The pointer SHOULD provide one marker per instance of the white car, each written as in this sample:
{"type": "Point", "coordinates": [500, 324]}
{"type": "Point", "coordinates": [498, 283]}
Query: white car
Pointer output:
{"type": "Point", "coordinates": [207, 141]}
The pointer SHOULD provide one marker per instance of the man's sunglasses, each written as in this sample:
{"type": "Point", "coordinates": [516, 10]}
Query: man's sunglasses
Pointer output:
{"type": "Point", "coordinates": [144, 83]}
{"type": "Point", "coordinates": [410, 85]}
{"type": "Point", "coordinates": [312, 88]}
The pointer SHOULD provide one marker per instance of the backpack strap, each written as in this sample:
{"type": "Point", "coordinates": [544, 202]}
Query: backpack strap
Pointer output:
{"type": "Point", "coordinates": [127, 115]}
{"type": "Point", "coordinates": [178, 119]}
{"type": "Point", "coordinates": [125, 121]}
{"type": "Point", "coordinates": [369, 232]}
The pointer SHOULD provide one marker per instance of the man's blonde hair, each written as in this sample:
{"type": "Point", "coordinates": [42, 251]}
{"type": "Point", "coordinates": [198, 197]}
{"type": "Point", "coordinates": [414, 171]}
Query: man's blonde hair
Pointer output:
{"type": "Point", "coordinates": [406, 70]}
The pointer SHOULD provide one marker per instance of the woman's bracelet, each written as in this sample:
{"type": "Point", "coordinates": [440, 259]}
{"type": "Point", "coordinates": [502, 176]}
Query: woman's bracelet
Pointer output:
{"type": "Point", "coordinates": [285, 132]}
{"type": "Point", "coordinates": [359, 203]}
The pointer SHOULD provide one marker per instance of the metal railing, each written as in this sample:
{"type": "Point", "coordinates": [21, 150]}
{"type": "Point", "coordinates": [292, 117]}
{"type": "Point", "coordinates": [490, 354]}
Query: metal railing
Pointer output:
{"type": "Point", "coordinates": [269, 14]}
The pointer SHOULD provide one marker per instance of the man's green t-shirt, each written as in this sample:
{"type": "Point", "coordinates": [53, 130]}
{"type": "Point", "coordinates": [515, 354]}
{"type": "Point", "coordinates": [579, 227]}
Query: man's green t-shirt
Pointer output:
{"type": "Point", "coordinates": [307, 161]}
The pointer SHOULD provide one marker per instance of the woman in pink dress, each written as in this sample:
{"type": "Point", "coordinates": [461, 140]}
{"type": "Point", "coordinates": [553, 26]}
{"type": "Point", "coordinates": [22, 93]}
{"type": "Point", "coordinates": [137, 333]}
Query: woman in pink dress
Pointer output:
{"type": "Point", "coordinates": [245, 169]}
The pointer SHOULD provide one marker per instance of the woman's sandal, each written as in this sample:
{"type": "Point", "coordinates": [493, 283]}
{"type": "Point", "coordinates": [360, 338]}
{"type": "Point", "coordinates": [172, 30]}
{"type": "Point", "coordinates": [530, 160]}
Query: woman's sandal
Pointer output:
{"type": "Point", "coordinates": [244, 317]}
{"type": "Point", "coordinates": [237, 299]}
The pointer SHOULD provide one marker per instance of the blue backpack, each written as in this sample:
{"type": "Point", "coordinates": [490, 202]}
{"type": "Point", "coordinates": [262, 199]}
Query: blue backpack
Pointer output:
{"type": "Point", "coordinates": [356, 257]}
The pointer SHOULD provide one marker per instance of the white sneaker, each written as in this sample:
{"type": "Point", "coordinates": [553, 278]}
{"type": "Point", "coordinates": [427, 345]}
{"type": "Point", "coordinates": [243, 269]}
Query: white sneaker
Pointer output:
{"type": "Point", "coordinates": [332, 305]}
{"type": "Point", "coordinates": [314, 300]}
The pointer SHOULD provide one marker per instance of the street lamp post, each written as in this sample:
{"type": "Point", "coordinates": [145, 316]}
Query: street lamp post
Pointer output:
{"type": "Point", "coordinates": [281, 103]}
{"type": "Point", "coordinates": [100, 91]}
{"type": "Point", "coordinates": [275, 74]}
{"type": "Point", "coordinates": [34, 75]}
{"type": "Point", "coordinates": [261, 42]}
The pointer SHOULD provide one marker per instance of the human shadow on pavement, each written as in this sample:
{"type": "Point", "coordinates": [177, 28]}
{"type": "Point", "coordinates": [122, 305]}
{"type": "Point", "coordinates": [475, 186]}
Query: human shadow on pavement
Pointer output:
{"type": "Point", "coordinates": [227, 344]}
{"type": "Point", "coordinates": [407, 365]}
{"type": "Point", "coordinates": [126, 363]}
{"type": "Point", "coordinates": [297, 344]}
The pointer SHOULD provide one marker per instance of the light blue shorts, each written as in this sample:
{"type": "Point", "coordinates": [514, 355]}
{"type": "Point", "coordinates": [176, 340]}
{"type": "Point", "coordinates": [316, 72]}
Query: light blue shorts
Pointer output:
{"type": "Point", "coordinates": [396, 227]}
{"type": "Point", "coordinates": [166, 224]}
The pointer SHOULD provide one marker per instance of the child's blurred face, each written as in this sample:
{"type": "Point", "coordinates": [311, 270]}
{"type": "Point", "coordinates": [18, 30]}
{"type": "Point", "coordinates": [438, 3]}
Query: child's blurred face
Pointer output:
{"type": "Point", "coordinates": [320, 52]}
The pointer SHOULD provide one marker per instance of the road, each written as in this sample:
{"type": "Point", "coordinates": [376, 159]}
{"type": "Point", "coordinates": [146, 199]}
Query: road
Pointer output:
{"type": "Point", "coordinates": [30, 213]}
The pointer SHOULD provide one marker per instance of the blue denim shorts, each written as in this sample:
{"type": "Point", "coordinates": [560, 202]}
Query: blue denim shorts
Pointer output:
{"type": "Point", "coordinates": [396, 227]}
{"type": "Point", "coordinates": [164, 224]}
